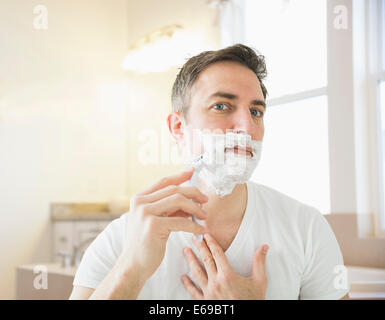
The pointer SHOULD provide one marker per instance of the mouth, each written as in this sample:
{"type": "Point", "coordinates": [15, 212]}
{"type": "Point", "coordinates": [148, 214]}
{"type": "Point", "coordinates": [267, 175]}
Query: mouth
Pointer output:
{"type": "Point", "coordinates": [241, 151]}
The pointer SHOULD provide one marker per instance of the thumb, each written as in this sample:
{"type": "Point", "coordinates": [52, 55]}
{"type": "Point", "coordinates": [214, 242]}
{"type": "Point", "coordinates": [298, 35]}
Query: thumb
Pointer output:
{"type": "Point", "coordinates": [259, 261]}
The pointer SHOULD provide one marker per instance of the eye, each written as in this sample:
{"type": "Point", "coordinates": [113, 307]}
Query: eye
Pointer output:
{"type": "Point", "coordinates": [220, 106]}
{"type": "Point", "coordinates": [256, 113]}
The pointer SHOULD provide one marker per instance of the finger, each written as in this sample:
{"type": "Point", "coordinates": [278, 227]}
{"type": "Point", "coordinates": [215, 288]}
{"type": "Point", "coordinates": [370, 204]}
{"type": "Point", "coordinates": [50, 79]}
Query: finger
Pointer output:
{"type": "Point", "coordinates": [181, 224]}
{"type": "Point", "coordinates": [207, 258]}
{"type": "Point", "coordinates": [194, 292]}
{"type": "Point", "coordinates": [172, 180]}
{"type": "Point", "coordinates": [174, 203]}
{"type": "Point", "coordinates": [259, 261]}
{"type": "Point", "coordinates": [197, 271]}
{"type": "Point", "coordinates": [221, 262]}
{"type": "Point", "coordinates": [189, 192]}
{"type": "Point", "coordinates": [180, 213]}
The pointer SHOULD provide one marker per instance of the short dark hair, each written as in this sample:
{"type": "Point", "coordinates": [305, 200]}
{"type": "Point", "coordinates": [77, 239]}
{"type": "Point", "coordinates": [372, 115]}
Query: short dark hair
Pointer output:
{"type": "Point", "coordinates": [190, 71]}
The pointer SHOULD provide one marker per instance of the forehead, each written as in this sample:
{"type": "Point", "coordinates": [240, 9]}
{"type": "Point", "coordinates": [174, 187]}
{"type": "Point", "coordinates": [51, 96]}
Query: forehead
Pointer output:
{"type": "Point", "coordinates": [229, 77]}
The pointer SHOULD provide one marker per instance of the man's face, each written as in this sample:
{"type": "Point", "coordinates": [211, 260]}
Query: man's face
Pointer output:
{"type": "Point", "coordinates": [226, 97]}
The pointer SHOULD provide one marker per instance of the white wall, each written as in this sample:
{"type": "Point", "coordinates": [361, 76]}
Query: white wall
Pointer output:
{"type": "Point", "coordinates": [62, 119]}
{"type": "Point", "coordinates": [65, 117]}
{"type": "Point", "coordinates": [341, 112]}
{"type": "Point", "coordinates": [150, 94]}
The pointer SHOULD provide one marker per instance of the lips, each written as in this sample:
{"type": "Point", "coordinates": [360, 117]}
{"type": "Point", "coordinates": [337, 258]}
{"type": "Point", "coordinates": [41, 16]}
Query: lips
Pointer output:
{"type": "Point", "coordinates": [241, 150]}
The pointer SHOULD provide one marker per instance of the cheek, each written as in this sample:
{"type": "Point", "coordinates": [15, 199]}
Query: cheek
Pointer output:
{"type": "Point", "coordinates": [191, 143]}
{"type": "Point", "coordinates": [259, 132]}
{"type": "Point", "coordinates": [262, 130]}
{"type": "Point", "coordinates": [206, 120]}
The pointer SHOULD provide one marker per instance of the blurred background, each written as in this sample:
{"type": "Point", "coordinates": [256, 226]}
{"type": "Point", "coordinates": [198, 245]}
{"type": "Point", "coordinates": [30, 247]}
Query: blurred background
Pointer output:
{"type": "Point", "coordinates": [85, 89]}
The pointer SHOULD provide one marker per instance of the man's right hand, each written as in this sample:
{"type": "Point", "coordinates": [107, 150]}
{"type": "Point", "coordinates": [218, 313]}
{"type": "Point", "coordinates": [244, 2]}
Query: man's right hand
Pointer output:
{"type": "Point", "coordinates": [154, 214]}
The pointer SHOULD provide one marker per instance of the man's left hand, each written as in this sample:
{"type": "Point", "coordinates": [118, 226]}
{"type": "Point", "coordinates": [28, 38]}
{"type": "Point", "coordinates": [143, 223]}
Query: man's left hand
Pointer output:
{"type": "Point", "coordinates": [219, 280]}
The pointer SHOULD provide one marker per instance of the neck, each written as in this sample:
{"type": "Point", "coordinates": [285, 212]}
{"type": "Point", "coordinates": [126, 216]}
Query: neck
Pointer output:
{"type": "Point", "coordinates": [224, 211]}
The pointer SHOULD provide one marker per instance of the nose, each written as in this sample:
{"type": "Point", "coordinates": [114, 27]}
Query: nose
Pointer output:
{"type": "Point", "coordinates": [244, 123]}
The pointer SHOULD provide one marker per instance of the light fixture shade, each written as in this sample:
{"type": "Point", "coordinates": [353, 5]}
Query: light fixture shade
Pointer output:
{"type": "Point", "coordinates": [162, 49]}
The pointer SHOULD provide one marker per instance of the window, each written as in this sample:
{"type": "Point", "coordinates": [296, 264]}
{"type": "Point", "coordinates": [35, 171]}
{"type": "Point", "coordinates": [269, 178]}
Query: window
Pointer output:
{"type": "Point", "coordinates": [292, 37]}
{"type": "Point", "coordinates": [291, 34]}
{"type": "Point", "coordinates": [381, 34]}
{"type": "Point", "coordinates": [295, 156]}
{"type": "Point", "coordinates": [382, 112]}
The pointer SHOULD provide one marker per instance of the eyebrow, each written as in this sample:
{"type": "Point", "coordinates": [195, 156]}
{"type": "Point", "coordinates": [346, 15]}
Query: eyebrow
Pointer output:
{"type": "Point", "coordinates": [220, 94]}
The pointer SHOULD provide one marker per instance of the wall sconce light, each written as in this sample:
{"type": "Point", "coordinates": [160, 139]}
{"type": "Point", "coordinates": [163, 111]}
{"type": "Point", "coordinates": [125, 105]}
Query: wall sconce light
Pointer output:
{"type": "Point", "coordinates": [162, 49]}
{"type": "Point", "coordinates": [159, 50]}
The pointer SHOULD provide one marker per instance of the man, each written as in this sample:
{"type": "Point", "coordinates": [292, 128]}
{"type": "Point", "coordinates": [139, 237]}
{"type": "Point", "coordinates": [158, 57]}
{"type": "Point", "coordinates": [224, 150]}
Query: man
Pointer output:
{"type": "Point", "coordinates": [258, 243]}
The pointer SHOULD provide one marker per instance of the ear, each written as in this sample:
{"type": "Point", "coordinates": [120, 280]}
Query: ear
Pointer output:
{"type": "Point", "coordinates": [175, 123]}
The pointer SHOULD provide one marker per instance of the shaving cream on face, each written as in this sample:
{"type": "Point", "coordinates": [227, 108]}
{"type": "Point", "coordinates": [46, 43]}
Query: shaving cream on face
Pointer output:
{"type": "Point", "coordinates": [222, 169]}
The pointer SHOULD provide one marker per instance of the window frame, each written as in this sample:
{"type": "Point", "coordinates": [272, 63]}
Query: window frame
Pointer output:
{"type": "Point", "coordinates": [352, 90]}
{"type": "Point", "coordinates": [376, 75]}
{"type": "Point", "coordinates": [379, 208]}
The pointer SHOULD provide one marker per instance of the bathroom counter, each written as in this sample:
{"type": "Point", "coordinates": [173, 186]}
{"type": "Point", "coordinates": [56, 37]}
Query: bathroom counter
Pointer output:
{"type": "Point", "coordinates": [52, 268]}
{"type": "Point", "coordinates": [82, 211]}
{"type": "Point", "coordinates": [44, 281]}
{"type": "Point", "coordinates": [366, 283]}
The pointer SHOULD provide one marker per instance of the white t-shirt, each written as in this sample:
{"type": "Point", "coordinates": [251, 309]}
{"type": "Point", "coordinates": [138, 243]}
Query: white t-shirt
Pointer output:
{"type": "Point", "coordinates": [300, 263]}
